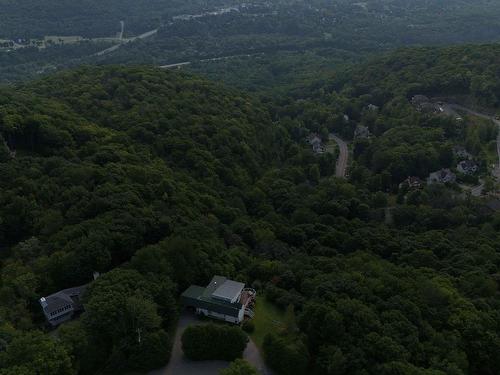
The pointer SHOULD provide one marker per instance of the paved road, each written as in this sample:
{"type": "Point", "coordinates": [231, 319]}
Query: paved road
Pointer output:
{"type": "Point", "coordinates": [340, 170]}
{"type": "Point", "coordinates": [178, 65]}
{"type": "Point", "coordinates": [125, 41]}
{"type": "Point", "coordinates": [122, 30]}
{"type": "Point", "coordinates": [179, 365]}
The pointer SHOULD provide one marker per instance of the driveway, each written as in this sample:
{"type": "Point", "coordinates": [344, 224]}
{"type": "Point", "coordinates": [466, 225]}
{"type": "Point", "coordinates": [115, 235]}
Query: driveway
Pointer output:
{"type": "Point", "coordinates": [180, 365]}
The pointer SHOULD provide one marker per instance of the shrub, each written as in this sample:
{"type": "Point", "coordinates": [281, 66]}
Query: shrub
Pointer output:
{"type": "Point", "coordinates": [239, 367]}
{"type": "Point", "coordinates": [248, 326]}
{"type": "Point", "coordinates": [285, 356]}
{"type": "Point", "coordinates": [210, 342]}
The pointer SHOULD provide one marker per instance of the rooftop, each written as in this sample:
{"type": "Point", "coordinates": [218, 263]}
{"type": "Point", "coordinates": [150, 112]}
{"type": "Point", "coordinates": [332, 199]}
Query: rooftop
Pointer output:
{"type": "Point", "coordinates": [221, 295]}
{"type": "Point", "coordinates": [228, 291]}
{"type": "Point", "coordinates": [62, 298]}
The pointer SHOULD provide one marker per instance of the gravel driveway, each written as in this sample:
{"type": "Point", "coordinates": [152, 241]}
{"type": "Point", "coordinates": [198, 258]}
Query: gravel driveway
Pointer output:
{"type": "Point", "coordinates": [179, 365]}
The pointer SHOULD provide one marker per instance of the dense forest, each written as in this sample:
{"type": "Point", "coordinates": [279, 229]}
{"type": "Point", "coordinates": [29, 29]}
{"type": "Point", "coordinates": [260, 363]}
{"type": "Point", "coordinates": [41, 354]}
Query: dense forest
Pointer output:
{"type": "Point", "coordinates": [88, 18]}
{"type": "Point", "coordinates": [277, 39]}
{"type": "Point", "coordinates": [159, 180]}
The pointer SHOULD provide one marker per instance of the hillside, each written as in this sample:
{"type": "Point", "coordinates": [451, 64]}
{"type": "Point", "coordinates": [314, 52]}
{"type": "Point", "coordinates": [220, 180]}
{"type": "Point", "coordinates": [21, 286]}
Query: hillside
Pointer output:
{"type": "Point", "coordinates": [468, 70]}
{"type": "Point", "coordinates": [160, 180]}
{"type": "Point", "coordinates": [99, 163]}
{"type": "Point", "coordinates": [377, 94]}
{"type": "Point", "coordinates": [270, 42]}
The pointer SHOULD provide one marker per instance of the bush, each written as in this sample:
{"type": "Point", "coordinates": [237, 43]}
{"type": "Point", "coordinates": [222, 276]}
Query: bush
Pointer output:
{"type": "Point", "coordinates": [239, 367]}
{"type": "Point", "coordinates": [284, 356]}
{"type": "Point", "coordinates": [248, 326]}
{"type": "Point", "coordinates": [210, 342]}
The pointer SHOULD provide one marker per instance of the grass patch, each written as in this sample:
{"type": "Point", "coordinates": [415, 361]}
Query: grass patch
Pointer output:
{"type": "Point", "coordinates": [268, 319]}
{"type": "Point", "coordinates": [331, 147]}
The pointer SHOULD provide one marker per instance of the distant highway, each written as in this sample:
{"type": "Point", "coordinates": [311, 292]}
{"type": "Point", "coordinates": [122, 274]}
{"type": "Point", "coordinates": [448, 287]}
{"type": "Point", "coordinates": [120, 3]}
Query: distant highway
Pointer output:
{"type": "Point", "coordinates": [125, 41]}
{"type": "Point", "coordinates": [341, 167]}
{"type": "Point", "coordinates": [184, 63]}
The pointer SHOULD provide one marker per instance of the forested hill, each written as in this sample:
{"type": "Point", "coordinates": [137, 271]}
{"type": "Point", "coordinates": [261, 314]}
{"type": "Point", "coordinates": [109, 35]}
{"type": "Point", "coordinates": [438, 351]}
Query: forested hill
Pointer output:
{"type": "Point", "coordinates": [405, 142]}
{"type": "Point", "coordinates": [470, 70]}
{"type": "Point", "coordinates": [96, 164]}
{"type": "Point", "coordinates": [97, 144]}
{"type": "Point", "coordinates": [160, 180]}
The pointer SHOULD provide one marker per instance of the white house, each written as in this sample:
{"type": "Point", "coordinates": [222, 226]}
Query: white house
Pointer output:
{"type": "Point", "coordinates": [222, 299]}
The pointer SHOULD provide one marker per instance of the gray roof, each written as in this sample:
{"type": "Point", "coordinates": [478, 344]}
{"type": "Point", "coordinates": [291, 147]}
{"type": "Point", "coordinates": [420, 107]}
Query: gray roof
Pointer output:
{"type": "Point", "coordinates": [467, 164]}
{"type": "Point", "coordinates": [63, 298]}
{"type": "Point", "coordinates": [228, 291]}
{"type": "Point", "coordinates": [494, 204]}
{"type": "Point", "coordinates": [215, 297]}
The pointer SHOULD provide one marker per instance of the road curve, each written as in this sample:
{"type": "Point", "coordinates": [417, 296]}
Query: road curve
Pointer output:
{"type": "Point", "coordinates": [341, 167]}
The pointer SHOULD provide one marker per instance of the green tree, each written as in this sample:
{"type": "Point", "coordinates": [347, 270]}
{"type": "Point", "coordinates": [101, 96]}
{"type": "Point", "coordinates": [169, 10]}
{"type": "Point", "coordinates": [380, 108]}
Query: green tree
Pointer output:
{"type": "Point", "coordinates": [36, 353]}
{"type": "Point", "coordinates": [210, 341]}
{"type": "Point", "coordinates": [239, 367]}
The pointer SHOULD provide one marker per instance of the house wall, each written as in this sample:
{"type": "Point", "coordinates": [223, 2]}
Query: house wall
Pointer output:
{"type": "Point", "coordinates": [54, 321]}
{"type": "Point", "coordinates": [226, 318]}
{"type": "Point", "coordinates": [241, 314]}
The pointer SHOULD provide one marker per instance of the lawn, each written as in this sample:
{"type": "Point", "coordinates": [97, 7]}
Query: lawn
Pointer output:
{"type": "Point", "coordinates": [268, 318]}
{"type": "Point", "coordinates": [331, 147]}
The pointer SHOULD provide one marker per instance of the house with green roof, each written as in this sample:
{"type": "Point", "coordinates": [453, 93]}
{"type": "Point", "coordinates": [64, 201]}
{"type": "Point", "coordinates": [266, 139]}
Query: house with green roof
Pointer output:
{"type": "Point", "coordinates": [222, 299]}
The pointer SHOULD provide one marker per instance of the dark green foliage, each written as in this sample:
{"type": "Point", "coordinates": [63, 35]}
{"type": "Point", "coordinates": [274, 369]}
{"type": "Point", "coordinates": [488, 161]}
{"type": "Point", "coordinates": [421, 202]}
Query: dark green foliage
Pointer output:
{"type": "Point", "coordinates": [114, 166]}
{"type": "Point", "coordinates": [210, 341]}
{"type": "Point", "coordinates": [122, 316]}
{"type": "Point", "coordinates": [248, 326]}
{"type": "Point", "coordinates": [160, 180]}
{"type": "Point", "coordinates": [285, 356]}
{"type": "Point", "coordinates": [35, 353]}
{"type": "Point", "coordinates": [239, 367]}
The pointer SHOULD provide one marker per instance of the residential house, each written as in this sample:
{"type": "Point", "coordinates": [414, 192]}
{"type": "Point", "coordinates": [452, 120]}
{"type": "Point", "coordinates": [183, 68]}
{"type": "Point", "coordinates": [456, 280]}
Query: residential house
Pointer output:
{"type": "Point", "coordinates": [313, 138]}
{"type": "Point", "coordinates": [412, 182]}
{"type": "Point", "coordinates": [467, 167]}
{"type": "Point", "coordinates": [461, 153]}
{"type": "Point", "coordinates": [222, 299]}
{"type": "Point", "coordinates": [493, 205]}
{"type": "Point", "coordinates": [442, 176]}
{"type": "Point", "coordinates": [6, 44]}
{"type": "Point", "coordinates": [429, 108]}
{"type": "Point", "coordinates": [362, 132]}
{"type": "Point", "coordinates": [418, 100]}
{"type": "Point", "coordinates": [61, 306]}
{"type": "Point", "coordinates": [372, 107]}
{"type": "Point", "coordinates": [423, 104]}
{"type": "Point", "coordinates": [317, 144]}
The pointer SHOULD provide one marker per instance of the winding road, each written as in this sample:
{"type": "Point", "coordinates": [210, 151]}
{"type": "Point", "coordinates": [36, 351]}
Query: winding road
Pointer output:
{"type": "Point", "coordinates": [341, 167]}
